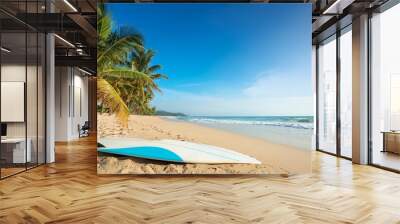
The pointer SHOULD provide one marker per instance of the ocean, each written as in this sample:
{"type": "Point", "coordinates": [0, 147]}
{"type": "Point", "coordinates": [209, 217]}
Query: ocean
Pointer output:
{"type": "Point", "coordinates": [288, 130]}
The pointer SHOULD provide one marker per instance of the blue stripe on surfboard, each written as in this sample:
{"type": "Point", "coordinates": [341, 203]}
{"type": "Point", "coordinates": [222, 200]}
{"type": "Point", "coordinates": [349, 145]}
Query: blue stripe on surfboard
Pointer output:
{"type": "Point", "coordinates": [145, 152]}
{"type": "Point", "coordinates": [229, 157]}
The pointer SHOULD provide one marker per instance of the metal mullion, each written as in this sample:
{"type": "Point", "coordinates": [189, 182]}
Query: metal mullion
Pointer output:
{"type": "Point", "coordinates": [333, 154]}
{"type": "Point", "coordinates": [317, 97]}
{"type": "Point", "coordinates": [45, 89]}
{"type": "Point", "coordinates": [369, 91]}
{"type": "Point", "coordinates": [13, 174]}
{"type": "Point", "coordinates": [385, 168]}
{"type": "Point", "coordinates": [45, 95]}
{"type": "Point", "coordinates": [26, 87]}
{"type": "Point", "coordinates": [338, 91]}
{"type": "Point", "coordinates": [37, 90]}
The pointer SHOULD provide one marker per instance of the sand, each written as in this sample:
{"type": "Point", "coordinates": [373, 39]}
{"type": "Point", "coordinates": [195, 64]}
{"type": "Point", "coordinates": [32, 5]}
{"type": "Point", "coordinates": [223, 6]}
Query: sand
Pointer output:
{"type": "Point", "coordinates": [275, 158]}
{"type": "Point", "coordinates": [123, 165]}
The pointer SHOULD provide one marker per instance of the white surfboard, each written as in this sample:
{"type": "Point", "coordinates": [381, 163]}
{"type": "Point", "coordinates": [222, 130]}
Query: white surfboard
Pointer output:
{"type": "Point", "coordinates": [173, 151]}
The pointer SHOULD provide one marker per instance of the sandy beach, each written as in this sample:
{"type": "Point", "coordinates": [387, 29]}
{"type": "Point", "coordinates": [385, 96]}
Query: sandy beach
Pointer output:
{"type": "Point", "coordinates": [275, 158]}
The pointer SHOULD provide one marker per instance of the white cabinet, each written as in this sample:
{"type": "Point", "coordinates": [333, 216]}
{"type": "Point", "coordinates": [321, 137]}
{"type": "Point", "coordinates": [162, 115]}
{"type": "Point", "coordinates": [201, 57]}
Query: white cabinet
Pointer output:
{"type": "Point", "coordinates": [19, 155]}
{"type": "Point", "coordinates": [12, 101]}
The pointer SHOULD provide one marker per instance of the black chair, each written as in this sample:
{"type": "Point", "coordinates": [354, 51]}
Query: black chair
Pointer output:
{"type": "Point", "coordinates": [84, 130]}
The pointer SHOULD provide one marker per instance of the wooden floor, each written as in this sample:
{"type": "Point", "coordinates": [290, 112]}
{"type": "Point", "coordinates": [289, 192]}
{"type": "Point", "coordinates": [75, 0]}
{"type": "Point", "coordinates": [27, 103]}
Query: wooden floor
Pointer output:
{"type": "Point", "coordinates": [5, 172]}
{"type": "Point", "coordinates": [69, 191]}
{"type": "Point", "coordinates": [387, 159]}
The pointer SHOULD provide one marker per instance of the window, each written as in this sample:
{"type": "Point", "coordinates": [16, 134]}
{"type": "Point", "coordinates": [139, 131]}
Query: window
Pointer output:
{"type": "Point", "coordinates": [346, 92]}
{"type": "Point", "coordinates": [327, 95]}
{"type": "Point", "coordinates": [385, 89]}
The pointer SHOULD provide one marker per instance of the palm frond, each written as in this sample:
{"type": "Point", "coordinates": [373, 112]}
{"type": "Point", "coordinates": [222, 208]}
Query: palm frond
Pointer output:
{"type": "Point", "coordinates": [123, 73]}
{"type": "Point", "coordinates": [154, 68]}
{"type": "Point", "coordinates": [158, 76]}
{"type": "Point", "coordinates": [104, 27]}
{"type": "Point", "coordinates": [117, 50]}
{"type": "Point", "coordinates": [109, 97]}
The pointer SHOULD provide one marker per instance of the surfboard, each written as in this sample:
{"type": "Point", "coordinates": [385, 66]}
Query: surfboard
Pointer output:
{"type": "Point", "coordinates": [173, 151]}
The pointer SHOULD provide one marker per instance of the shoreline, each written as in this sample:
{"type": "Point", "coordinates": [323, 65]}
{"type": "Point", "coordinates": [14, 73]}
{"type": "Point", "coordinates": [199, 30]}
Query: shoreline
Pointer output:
{"type": "Point", "coordinates": [279, 157]}
{"type": "Point", "coordinates": [295, 137]}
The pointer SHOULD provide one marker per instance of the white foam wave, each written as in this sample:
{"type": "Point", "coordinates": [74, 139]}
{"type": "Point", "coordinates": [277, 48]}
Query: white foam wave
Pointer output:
{"type": "Point", "coordinates": [301, 125]}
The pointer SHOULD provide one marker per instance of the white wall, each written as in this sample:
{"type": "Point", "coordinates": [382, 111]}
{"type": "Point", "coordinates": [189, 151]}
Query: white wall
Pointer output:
{"type": "Point", "coordinates": [71, 87]}
{"type": "Point", "coordinates": [62, 81]}
{"type": "Point", "coordinates": [80, 110]}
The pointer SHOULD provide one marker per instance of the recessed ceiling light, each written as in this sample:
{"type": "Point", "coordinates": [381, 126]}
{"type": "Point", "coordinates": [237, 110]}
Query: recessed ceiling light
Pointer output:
{"type": "Point", "coordinates": [338, 6]}
{"type": "Point", "coordinates": [70, 5]}
{"type": "Point", "coordinates": [64, 40]}
{"type": "Point", "coordinates": [86, 72]}
{"type": "Point", "coordinates": [5, 50]}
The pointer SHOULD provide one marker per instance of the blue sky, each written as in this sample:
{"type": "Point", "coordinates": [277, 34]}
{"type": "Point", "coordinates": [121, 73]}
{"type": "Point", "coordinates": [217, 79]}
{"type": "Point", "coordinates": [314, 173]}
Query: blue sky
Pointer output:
{"type": "Point", "coordinates": [227, 59]}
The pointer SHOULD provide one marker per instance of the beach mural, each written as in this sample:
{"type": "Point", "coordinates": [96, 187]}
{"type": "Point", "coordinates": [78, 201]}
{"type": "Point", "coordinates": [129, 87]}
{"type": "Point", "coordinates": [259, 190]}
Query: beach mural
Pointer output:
{"type": "Point", "coordinates": [204, 88]}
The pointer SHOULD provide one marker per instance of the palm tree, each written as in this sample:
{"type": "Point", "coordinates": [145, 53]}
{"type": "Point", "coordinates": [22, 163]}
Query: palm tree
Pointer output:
{"type": "Point", "coordinates": [112, 52]}
{"type": "Point", "coordinates": [141, 62]}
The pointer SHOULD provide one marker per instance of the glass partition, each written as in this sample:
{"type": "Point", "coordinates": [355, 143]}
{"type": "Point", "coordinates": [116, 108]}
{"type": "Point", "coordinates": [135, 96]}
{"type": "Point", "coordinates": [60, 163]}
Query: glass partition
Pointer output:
{"type": "Point", "coordinates": [14, 153]}
{"type": "Point", "coordinates": [22, 91]}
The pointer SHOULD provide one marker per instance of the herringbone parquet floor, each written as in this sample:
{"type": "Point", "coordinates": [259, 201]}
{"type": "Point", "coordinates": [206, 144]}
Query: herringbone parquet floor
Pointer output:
{"type": "Point", "coordinates": [69, 191]}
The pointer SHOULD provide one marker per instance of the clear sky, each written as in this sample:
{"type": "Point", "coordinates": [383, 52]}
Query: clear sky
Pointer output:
{"type": "Point", "coordinates": [227, 59]}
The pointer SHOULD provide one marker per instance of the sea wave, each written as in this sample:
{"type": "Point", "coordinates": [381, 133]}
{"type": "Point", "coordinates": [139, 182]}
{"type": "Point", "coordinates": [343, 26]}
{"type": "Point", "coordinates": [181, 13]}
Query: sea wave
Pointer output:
{"type": "Point", "coordinates": [301, 123]}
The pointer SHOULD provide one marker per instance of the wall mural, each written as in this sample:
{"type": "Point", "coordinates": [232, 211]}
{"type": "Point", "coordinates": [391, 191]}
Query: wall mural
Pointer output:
{"type": "Point", "coordinates": [204, 88]}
